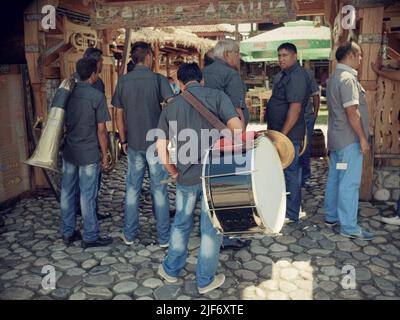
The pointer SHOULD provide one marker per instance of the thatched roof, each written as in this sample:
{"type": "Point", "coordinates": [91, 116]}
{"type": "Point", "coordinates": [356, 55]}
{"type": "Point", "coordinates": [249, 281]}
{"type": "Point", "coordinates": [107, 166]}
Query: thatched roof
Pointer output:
{"type": "Point", "coordinates": [171, 36]}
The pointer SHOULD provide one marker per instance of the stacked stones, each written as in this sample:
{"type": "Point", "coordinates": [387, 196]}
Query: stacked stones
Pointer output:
{"type": "Point", "coordinates": [305, 262]}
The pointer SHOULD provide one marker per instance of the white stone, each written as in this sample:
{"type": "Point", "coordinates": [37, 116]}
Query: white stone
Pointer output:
{"type": "Point", "coordinates": [382, 195]}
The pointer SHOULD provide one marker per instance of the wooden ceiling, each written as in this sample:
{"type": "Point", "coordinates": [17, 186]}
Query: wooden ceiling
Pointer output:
{"type": "Point", "coordinates": [309, 7]}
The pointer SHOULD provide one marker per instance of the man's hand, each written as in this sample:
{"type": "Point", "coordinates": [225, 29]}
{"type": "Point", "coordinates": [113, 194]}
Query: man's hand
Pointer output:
{"type": "Point", "coordinates": [125, 148]}
{"type": "Point", "coordinates": [364, 146]}
{"type": "Point", "coordinates": [104, 162]}
{"type": "Point", "coordinates": [376, 67]}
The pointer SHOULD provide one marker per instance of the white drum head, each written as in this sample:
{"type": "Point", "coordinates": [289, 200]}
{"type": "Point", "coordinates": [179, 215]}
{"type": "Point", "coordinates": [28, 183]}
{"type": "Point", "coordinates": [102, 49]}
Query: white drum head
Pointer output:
{"type": "Point", "coordinates": [269, 187]}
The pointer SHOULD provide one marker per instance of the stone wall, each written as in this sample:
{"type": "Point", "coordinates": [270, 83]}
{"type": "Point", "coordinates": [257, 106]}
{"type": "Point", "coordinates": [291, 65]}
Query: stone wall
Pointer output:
{"type": "Point", "coordinates": [386, 184]}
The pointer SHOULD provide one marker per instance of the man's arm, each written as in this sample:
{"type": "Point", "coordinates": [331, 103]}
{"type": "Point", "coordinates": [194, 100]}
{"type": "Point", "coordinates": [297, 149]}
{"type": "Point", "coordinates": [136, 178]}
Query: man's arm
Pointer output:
{"type": "Point", "coordinates": [163, 154]}
{"type": "Point", "coordinates": [102, 136]}
{"type": "Point", "coordinates": [292, 117]}
{"type": "Point", "coordinates": [120, 121]}
{"type": "Point", "coordinates": [389, 74]}
{"type": "Point", "coordinates": [316, 103]}
{"type": "Point", "coordinates": [353, 115]}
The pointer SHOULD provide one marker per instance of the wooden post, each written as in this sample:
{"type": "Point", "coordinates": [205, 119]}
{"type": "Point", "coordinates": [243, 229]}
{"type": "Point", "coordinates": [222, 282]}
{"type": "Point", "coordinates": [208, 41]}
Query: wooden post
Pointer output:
{"type": "Point", "coordinates": [167, 65]}
{"type": "Point", "coordinates": [156, 56]}
{"type": "Point", "coordinates": [201, 61]}
{"type": "Point", "coordinates": [371, 24]}
{"type": "Point", "coordinates": [127, 49]}
{"type": "Point", "coordinates": [34, 44]}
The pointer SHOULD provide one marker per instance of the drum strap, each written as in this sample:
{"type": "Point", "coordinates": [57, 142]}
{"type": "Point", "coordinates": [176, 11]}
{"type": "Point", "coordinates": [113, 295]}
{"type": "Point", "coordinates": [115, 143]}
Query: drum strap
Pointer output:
{"type": "Point", "coordinates": [207, 114]}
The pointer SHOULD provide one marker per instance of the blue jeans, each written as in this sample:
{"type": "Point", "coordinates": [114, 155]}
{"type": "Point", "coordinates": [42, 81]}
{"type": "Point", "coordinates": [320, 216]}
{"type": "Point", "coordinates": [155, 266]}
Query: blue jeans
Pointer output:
{"type": "Point", "coordinates": [78, 195]}
{"type": "Point", "coordinates": [398, 208]}
{"type": "Point", "coordinates": [86, 179]}
{"type": "Point", "coordinates": [293, 185]}
{"type": "Point", "coordinates": [305, 162]}
{"type": "Point", "coordinates": [186, 199]}
{"type": "Point", "coordinates": [137, 163]}
{"type": "Point", "coordinates": [341, 196]}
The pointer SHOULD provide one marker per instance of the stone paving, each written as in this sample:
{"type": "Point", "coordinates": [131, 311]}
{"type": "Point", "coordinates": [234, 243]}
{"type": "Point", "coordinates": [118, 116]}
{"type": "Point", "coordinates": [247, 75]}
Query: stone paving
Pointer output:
{"type": "Point", "coordinates": [306, 261]}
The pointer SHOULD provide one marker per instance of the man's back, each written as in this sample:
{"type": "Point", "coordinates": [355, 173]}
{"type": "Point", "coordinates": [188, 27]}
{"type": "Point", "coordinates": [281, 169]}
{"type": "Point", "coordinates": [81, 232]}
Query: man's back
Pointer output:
{"type": "Point", "coordinates": [187, 117]}
{"type": "Point", "coordinates": [140, 93]}
{"type": "Point", "coordinates": [219, 75]}
{"type": "Point", "coordinates": [85, 109]}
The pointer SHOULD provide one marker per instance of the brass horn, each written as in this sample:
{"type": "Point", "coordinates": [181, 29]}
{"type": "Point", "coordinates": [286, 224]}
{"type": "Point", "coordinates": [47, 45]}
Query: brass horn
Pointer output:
{"type": "Point", "coordinates": [46, 152]}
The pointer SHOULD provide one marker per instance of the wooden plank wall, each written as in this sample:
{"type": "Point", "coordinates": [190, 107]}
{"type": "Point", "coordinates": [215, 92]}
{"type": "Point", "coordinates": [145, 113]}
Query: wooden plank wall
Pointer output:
{"type": "Point", "coordinates": [14, 175]}
{"type": "Point", "coordinates": [371, 23]}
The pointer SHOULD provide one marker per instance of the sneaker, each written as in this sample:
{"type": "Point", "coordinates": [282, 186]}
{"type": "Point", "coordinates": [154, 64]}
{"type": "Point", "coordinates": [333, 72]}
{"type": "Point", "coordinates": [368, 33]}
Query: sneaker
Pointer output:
{"type": "Point", "coordinates": [164, 245]}
{"type": "Point", "coordinates": [164, 275]}
{"type": "Point", "coordinates": [330, 224]}
{"type": "Point", "coordinates": [302, 214]}
{"type": "Point", "coordinates": [126, 241]}
{"type": "Point", "coordinates": [100, 242]}
{"type": "Point", "coordinates": [362, 235]}
{"type": "Point", "coordinates": [216, 283]}
{"type": "Point", "coordinates": [70, 239]}
{"type": "Point", "coordinates": [394, 221]}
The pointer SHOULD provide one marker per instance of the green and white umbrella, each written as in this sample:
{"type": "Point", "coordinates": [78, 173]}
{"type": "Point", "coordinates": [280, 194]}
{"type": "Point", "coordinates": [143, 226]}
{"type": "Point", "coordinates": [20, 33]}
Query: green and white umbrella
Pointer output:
{"type": "Point", "coordinates": [313, 43]}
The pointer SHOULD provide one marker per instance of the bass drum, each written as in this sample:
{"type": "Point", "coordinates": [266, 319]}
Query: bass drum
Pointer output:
{"type": "Point", "coordinates": [245, 191]}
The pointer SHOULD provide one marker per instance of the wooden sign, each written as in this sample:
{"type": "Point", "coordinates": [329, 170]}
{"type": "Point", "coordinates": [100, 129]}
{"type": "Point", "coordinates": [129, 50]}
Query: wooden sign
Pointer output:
{"type": "Point", "coordinates": [160, 13]}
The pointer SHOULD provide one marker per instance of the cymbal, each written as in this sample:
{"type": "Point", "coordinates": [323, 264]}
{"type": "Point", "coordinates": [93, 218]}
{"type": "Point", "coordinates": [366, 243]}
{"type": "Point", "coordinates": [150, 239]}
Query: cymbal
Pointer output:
{"type": "Point", "coordinates": [282, 144]}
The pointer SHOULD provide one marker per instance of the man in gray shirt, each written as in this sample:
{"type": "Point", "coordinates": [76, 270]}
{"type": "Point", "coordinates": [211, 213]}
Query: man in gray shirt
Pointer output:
{"type": "Point", "coordinates": [285, 113]}
{"type": "Point", "coordinates": [347, 142]}
{"type": "Point", "coordinates": [310, 115]}
{"type": "Point", "coordinates": [177, 118]}
{"type": "Point", "coordinates": [137, 97]}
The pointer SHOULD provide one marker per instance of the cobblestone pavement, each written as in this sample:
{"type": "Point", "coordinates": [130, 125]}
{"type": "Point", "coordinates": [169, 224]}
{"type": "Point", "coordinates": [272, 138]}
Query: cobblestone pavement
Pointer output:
{"type": "Point", "coordinates": [307, 261]}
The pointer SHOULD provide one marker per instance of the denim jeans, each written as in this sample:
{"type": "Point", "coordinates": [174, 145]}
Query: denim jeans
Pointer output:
{"type": "Point", "coordinates": [341, 196]}
{"type": "Point", "coordinates": [78, 195]}
{"type": "Point", "coordinates": [304, 160]}
{"type": "Point", "coordinates": [137, 163]}
{"type": "Point", "coordinates": [398, 208]}
{"type": "Point", "coordinates": [186, 199]}
{"type": "Point", "coordinates": [293, 185]}
{"type": "Point", "coordinates": [86, 179]}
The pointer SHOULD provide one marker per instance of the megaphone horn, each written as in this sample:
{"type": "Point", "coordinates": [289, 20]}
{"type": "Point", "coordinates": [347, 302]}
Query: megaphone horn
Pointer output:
{"type": "Point", "coordinates": [46, 152]}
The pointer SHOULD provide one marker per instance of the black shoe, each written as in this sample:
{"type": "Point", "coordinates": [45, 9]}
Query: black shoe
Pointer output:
{"type": "Point", "coordinates": [100, 242]}
{"type": "Point", "coordinates": [172, 213]}
{"type": "Point", "coordinates": [235, 244]}
{"type": "Point", "coordinates": [71, 239]}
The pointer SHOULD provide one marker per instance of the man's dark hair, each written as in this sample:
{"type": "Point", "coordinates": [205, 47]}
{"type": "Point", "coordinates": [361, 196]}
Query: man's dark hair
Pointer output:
{"type": "Point", "coordinates": [85, 67]}
{"type": "Point", "coordinates": [93, 53]}
{"type": "Point", "coordinates": [140, 50]}
{"type": "Point", "coordinates": [346, 48]}
{"type": "Point", "coordinates": [288, 46]}
{"type": "Point", "coordinates": [130, 66]}
{"type": "Point", "coordinates": [189, 72]}
{"type": "Point", "coordinates": [207, 60]}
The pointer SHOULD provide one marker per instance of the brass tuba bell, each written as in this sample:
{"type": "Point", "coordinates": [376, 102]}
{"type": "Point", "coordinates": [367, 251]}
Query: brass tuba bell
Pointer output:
{"type": "Point", "coordinates": [46, 152]}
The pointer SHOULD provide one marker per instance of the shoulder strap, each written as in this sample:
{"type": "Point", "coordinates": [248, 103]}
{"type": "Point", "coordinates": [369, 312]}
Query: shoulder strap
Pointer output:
{"type": "Point", "coordinates": [207, 114]}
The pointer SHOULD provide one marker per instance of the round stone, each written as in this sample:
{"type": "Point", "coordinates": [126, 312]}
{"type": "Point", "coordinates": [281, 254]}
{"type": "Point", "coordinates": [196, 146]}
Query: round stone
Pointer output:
{"type": "Point", "coordinates": [99, 270]}
{"type": "Point", "coordinates": [98, 292]}
{"type": "Point", "coordinates": [108, 260]}
{"type": "Point", "coordinates": [152, 283]}
{"type": "Point", "coordinates": [286, 239]}
{"type": "Point", "coordinates": [252, 265]}
{"type": "Point", "coordinates": [325, 262]}
{"type": "Point", "coordinates": [371, 251]}
{"type": "Point", "coordinates": [99, 280]}
{"type": "Point", "coordinates": [243, 255]}
{"type": "Point", "coordinates": [144, 253]}
{"type": "Point", "coordinates": [258, 250]}
{"type": "Point", "coordinates": [89, 264]}
{"type": "Point", "coordinates": [246, 275]}
{"type": "Point", "coordinates": [331, 271]}
{"type": "Point", "coordinates": [287, 286]}
{"type": "Point", "coordinates": [122, 297]}
{"type": "Point", "coordinates": [347, 246]}
{"type": "Point", "coordinates": [370, 290]}
{"type": "Point", "coordinates": [363, 274]}
{"type": "Point", "coordinates": [270, 285]}
{"type": "Point", "coordinates": [77, 296]}
{"type": "Point", "coordinates": [300, 295]}
{"type": "Point", "coordinates": [125, 287]}
{"type": "Point", "coordinates": [16, 294]}
{"type": "Point", "coordinates": [75, 272]}
{"type": "Point", "coordinates": [276, 247]}
{"type": "Point", "coordinates": [289, 274]}
{"type": "Point", "coordinates": [328, 286]}
{"type": "Point", "coordinates": [277, 295]}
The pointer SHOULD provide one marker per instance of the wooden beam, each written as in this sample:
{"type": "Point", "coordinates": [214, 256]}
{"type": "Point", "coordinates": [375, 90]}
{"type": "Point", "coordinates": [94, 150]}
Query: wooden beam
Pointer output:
{"type": "Point", "coordinates": [127, 50]}
{"type": "Point", "coordinates": [156, 56]}
{"type": "Point", "coordinates": [53, 53]}
{"type": "Point", "coordinates": [167, 67]}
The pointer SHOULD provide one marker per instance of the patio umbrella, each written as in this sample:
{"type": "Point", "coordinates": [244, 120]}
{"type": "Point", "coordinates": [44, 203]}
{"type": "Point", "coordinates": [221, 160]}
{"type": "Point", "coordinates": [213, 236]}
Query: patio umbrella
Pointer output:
{"type": "Point", "coordinates": [313, 43]}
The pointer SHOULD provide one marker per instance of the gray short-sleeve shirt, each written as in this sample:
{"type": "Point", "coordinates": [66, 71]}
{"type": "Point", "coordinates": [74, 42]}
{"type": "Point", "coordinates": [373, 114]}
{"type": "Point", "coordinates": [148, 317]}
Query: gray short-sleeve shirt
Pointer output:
{"type": "Point", "coordinates": [290, 86]}
{"type": "Point", "coordinates": [179, 116]}
{"type": "Point", "coordinates": [140, 93]}
{"type": "Point", "coordinates": [219, 75]}
{"type": "Point", "coordinates": [86, 108]}
{"type": "Point", "coordinates": [343, 91]}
